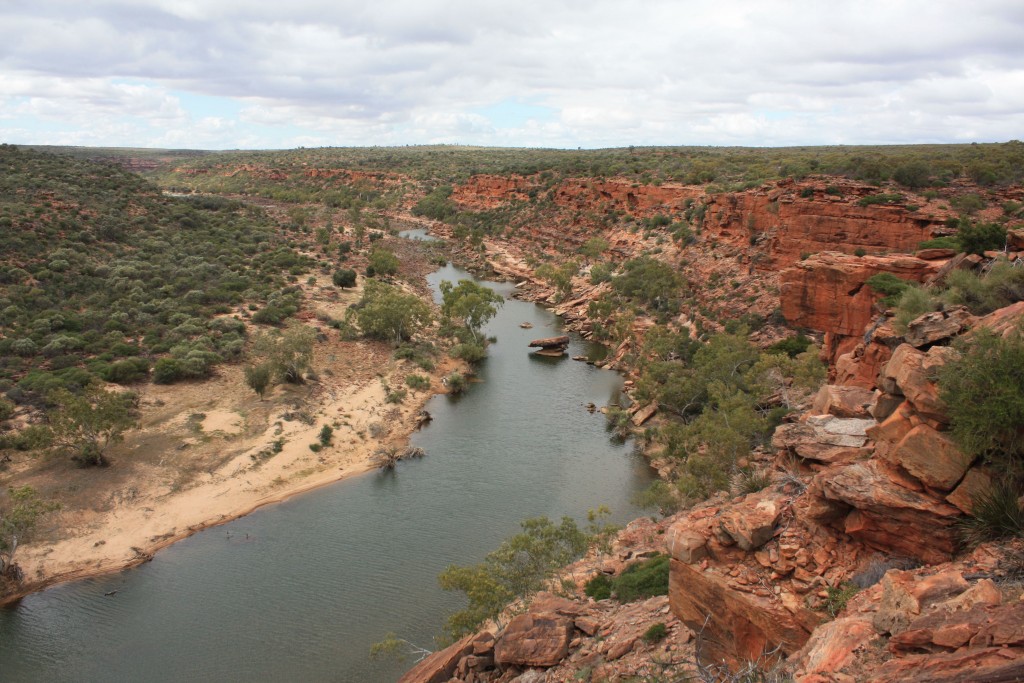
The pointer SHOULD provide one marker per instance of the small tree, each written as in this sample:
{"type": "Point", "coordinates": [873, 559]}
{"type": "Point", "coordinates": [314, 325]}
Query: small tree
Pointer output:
{"type": "Point", "coordinates": [984, 392]}
{"type": "Point", "coordinates": [289, 354]}
{"type": "Point", "coordinates": [518, 568]}
{"type": "Point", "coordinates": [258, 377]}
{"type": "Point", "coordinates": [382, 262]}
{"type": "Point", "coordinates": [345, 277]}
{"type": "Point", "coordinates": [83, 426]}
{"type": "Point", "coordinates": [474, 304]}
{"type": "Point", "coordinates": [17, 521]}
{"type": "Point", "coordinates": [386, 312]}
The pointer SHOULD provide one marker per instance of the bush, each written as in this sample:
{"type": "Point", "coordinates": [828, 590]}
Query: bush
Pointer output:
{"type": "Point", "coordinates": [345, 277]}
{"type": "Point", "coordinates": [947, 242]}
{"type": "Point", "coordinates": [469, 352]}
{"type": "Point", "coordinates": [455, 382]}
{"type": "Point", "coordinates": [168, 371]}
{"type": "Point", "coordinates": [837, 598]}
{"type": "Point", "coordinates": [655, 633]}
{"type": "Point", "coordinates": [643, 579]}
{"type": "Point", "coordinates": [984, 392]}
{"type": "Point", "coordinates": [326, 434]}
{"type": "Point", "coordinates": [792, 346]}
{"type": "Point", "coordinates": [599, 587]}
{"type": "Point", "coordinates": [977, 238]}
{"type": "Point", "coordinates": [995, 514]}
{"type": "Point", "coordinates": [382, 262]}
{"type": "Point", "coordinates": [889, 286]}
{"type": "Point", "coordinates": [417, 382]}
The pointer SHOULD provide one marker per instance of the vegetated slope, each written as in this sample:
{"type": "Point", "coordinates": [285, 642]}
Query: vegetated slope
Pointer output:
{"type": "Point", "coordinates": [728, 167]}
{"type": "Point", "coordinates": [100, 274]}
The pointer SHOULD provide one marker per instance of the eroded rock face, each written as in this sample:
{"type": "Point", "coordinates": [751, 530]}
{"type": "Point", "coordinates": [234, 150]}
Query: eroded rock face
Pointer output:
{"type": "Point", "coordinates": [930, 456]}
{"type": "Point", "coordinates": [440, 666]}
{"type": "Point", "coordinates": [824, 438]}
{"type": "Point", "coordinates": [864, 500]}
{"type": "Point", "coordinates": [911, 372]}
{"type": "Point", "coordinates": [751, 523]}
{"type": "Point", "coordinates": [843, 401]}
{"type": "Point", "coordinates": [534, 639]}
{"type": "Point", "coordinates": [739, 625]}
{"type": "Point", "coordinates": [827, 292]}
{"type": "Point", "coordinates": [938, 326]}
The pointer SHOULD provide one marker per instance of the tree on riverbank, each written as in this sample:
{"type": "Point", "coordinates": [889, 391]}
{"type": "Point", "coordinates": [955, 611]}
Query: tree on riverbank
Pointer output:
{"type": "Point", "coordinates": [17, 521]}
{"type": "Point", "coordinates": [289, 354]}
{"type": "Point", "coordinates": [386, 312]}
{"type": "Point", "coordinates": [474, 304]}
{"type": "Point", "coordinates": [82, 426]}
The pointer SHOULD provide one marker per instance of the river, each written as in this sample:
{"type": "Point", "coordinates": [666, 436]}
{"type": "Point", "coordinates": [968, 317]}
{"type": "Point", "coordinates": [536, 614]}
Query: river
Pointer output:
{"type": "Point", "coordinates": [300, 590]}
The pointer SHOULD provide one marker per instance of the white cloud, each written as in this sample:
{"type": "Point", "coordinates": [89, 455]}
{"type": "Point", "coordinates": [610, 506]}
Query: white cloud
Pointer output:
{"type": "Point", "coordinates": [414, 71]}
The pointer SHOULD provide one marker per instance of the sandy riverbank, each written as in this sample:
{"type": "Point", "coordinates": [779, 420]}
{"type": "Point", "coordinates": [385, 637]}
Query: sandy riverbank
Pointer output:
{"type": "Point", "coordinates": [212, 451]}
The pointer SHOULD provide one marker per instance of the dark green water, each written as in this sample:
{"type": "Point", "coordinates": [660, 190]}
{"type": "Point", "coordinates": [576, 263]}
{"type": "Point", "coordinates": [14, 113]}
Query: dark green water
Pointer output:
{"type": "Point", "coordinates": [300, 590]}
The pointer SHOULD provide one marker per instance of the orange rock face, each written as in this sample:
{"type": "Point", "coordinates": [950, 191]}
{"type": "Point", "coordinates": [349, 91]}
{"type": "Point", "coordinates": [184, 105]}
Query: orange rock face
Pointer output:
{"type": "Point", "coordinates": [827, 292]}
{"type": "Point", "coordinates": [806, 225]}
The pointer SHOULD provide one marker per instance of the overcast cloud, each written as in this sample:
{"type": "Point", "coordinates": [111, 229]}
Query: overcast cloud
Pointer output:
{"type": "Point", "coordinates": [555, 73]}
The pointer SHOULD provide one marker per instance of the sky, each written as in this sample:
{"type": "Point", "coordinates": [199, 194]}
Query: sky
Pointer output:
{"type": "Point", "coordinates": [279, 74]}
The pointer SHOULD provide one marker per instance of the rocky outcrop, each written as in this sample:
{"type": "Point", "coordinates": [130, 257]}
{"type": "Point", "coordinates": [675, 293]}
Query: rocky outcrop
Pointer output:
{"type": "Point", "coordinates": [534, 639]}
{"type": "Point", "coordinates": [941, 624]}
{"type": "Point", "coordinates": [827, 292]}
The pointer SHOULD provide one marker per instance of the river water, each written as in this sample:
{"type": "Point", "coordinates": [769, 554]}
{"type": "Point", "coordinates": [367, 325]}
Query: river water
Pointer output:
{"type": "Point", "coordinates": [299, 591]}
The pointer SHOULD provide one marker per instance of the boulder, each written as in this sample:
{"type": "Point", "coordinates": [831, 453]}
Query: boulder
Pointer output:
{"type": "Point", "coordinates": [826, 440]}
{"type": "Point", "coordinates": [910, 372]}
{"type": "Point", "coordinates": [843, 401]}
{"type": "Point", "coordinates": [988, 665]}
{"type": "Point", "coordinates": [906, 595]}
{"type": "Point", "coordinates": [889, 433]}
{"type": "Point", "coordinates": [865, 500]}
{"type": "Point", "coordinates": [734, 626]}
{"type": "Point", "coordinates": [860, 367]}
{"type": "Point", "coordinates": [938, 326]}
{"type": "Point", "coordinates": [884, 405]}
{"type": "Point", "coordinates": [930, 456]}
{"type": "Point", "coordinates": [440, 666]}
{"type": "Point", "coordinates": [685, 544]}
{"type": "Point", "coordinates": [1005, 321]}
{"type": "Point", "coordinates": [551, 342]}
{"type": "Point", "coordinates": [833, 646]}
{"type": "Point", "coordinates": [751, 523]}
{"type": "Point", "coordinates": [934, 254]}
{"type": "Point", "coordinates": [534, 639]}
{"type": "Point", "coordinates": [644, 414]}
{"type": "Point", "coordinates": [975, 483]}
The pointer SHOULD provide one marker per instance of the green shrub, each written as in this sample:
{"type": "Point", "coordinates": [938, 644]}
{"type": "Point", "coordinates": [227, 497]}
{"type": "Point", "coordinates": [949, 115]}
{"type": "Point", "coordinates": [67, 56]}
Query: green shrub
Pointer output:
{"type": "Point", "coordinates": [469, 352]}
{"type": "Point", "coordinates": [382, 262]}
{"type": "Point", "coordinates": [912, 304]}
{"type": "Point", "coordinates": [995, 514]}
{"type": "Point", "coordinates": [417, 382]}
{"type": "Point", "coordinates": [967, 203]}
{"type": "Point", "coordinates": [655, 633]}
{"type": "Point", "coordinates": [947, 242]}
{"type": "Point", "coordinates": [643, 579]}
{"type": "Point", "coordinates": [791, 346]}
{"type": "Point", "coordinates": [599, 587]}
{"type": "Point", "coordinates": [984, 393]}
{"type": "Point", "coordinates": [889, 286]}
{"type": "Point", "coordinates": [883, 198]}
{"type": "Point", "coordinates": [837, 598]}
{"type": "Point", "coordinates": [326, 434]}
{"type": "Point", "coordinates": [344, 277]}
{"type": "Point", "coordinates": [455, 382]}
{"type": "Point", "coordinates": [977, 238]}
{"type": "Point", "coordinates": [168, 371]}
